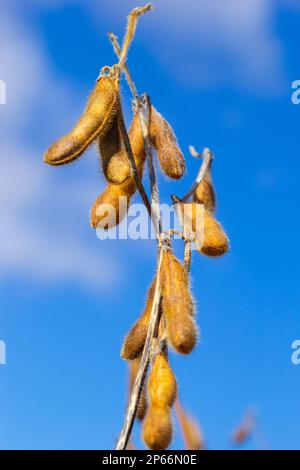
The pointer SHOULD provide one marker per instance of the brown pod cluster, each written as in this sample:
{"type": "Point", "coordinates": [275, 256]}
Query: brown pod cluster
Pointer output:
{"type": "Point", "coordinates": [162, 390]}
{"type": "Point", "coordinates": [199, 225]}
{"type": "Point", "coordinates": [114, 159]}
{"type": "Point", "coordinates": [112, 205]}
{"type": "Point", "coordinates": [142, 404]}
{"type": "Point", "coordinates": [101, 109]}
{"type": "Point", "coordinates": [205, 193]}
{"type": "Point", "coordinates": [135, 340]}
{"type": "Point", "coordinates": [164, 140]}
{"type": "Point", "coordinates": [177, 304]}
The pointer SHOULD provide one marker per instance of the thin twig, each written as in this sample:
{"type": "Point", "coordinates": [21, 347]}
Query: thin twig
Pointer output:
{"type": "Point", "coordinates": [131, 27]}
{"type": "Point", "coordinates": [134, 169]}
{"type": "Point", "coordinates": [114, 40]}
{"type": "Point", "coordinates": [187, 247]}
{"type": "Point", "coordinates": [207, 156]}
{"type": "Point", "coordinates": [144, 115]}
{"type": "Point", "coordinates": [187, 255]}
{"type": "Point", "coordinates": [143, 107]}
{"type": "Point", "coordinates": [174, 231]}
{"type": "Point", "coordinates": [138, 385]}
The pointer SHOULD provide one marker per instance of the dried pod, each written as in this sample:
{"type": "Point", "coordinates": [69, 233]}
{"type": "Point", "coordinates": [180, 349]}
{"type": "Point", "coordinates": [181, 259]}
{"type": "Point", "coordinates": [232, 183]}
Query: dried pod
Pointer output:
{"type": "Point", "coordinates": [215, 241]}
{"type": "Point", "coordinates": [157, 428]}
{"type": "Point", "coordinates": [199, 225]}
{"type": "Point", "coordinates": [162, 390]}
{"type": "Point", "coordinates": [190, 430]}
{"type": "Point", "coordinates": [177, 304]}
{"type": "Point", "coordinates": [112, 205]}
{"type": "Point", "coordinates": [135, 340]}
{"type": "Point", "coordinates": [162, 386]}
{"type": "Point", "coordinates": [142, 404]}
{"type": "Point", "coordinates": [164, 140]}
{"type": "Point", "coordinates": [205, 193]}
{"type": "Point", "coordinates": [101, 109]}
{"type": "Point", "coordinates": [114, 159]}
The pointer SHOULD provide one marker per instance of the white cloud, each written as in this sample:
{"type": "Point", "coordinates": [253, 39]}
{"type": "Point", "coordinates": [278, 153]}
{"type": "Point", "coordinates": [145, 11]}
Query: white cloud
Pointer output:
{"type": "Point", "coordinates": [210, 43]}
{"type": "Point", "coordinates": [226, 42]}
{"type": "Point", "coordinates": [40, 238]}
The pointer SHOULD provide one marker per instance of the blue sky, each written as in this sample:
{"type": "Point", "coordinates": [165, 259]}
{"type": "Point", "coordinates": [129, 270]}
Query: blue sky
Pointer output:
{"type": "Point", "coordinates": [221, 73]}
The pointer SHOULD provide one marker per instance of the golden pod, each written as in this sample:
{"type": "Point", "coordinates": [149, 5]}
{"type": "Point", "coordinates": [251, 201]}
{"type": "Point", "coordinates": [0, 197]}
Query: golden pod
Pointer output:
{"type": "Point", "coordinates": [178, 305]}
{"type": "Point", "coordinates": [114, 160]}
{"type": "Point", "coordinates": [205, 193]}
{"type": "Point", "coordinates": [199, 225]}
{"type": "Point", "coordinates": [164, 140]}
{"type": "Point", "coordinates": [215, 241]}
{"type": "Point", "coordinates": [112, 205]}
{"type": "Point", "coordinates": [142, 404]}
{"type": "Point", "coordinates": [101, 109]}
{"type": "Point", "coordinates": [157, 428]}
{"type": "Point", "coordinates": [162, 386]}
{"type": "Point", "coordinates": [135, 340]}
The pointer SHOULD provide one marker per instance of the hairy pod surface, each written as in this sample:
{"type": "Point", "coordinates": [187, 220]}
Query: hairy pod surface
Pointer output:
{"type": "Point", "coordinates": [142, 404]}
{"type": "Point", "coordinates": [199, 225]}
{"type": "Point", "coordinates": [178, 305]}
{"type": "Point", "coordinates": [162, 391]}
{"type": "Point", "coordinates": [101, 109]}
{"type": "Point", "coordinates": [117, 196]}
{"type": "Point", "coordinates": [205, 193]}
{"type": "Point", "coordinates": [114, 159]}
{"type": "Point", "coordinates": [162, 137]}
{"type": "Point", "coordinates": [162, 386]}
{"type": "Point", "coordinates": [215, 242]}
{"type": "Point", "coordinates": [157, 428]}
{"type": "Point", "coordinates": [135, 340]}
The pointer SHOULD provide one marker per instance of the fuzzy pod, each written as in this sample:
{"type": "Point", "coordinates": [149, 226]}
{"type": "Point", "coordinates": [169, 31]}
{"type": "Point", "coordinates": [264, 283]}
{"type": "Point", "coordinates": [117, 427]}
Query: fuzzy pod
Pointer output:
{"type": "Point", "coordinates": [112, 205]}
{"type": "Point", "coordinates": [162, 386]}
{"type": "Point", "coordinates": [100, 111]}
{"type": "Point", "coordinates": [113, 156]}
{"type": "Point", "coordinates": [178, 305]}
{"type": "Point", "coordinates": [157, 428]}
{"type": "Point", "coordinates": [163, 138]}
{"type": "Point", "coordinates": [142, 404]}
{"type": "Point", "coordinates": [199, 225]}
{"type": "Point", "coordinates": [205, 193]}
{"type": "Point", "coordinates": [135, 340]}
{"type": "Point", "coordinates": [215, 241]}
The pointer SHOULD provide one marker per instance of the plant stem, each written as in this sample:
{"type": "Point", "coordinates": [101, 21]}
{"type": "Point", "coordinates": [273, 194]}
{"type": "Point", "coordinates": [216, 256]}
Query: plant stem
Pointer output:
{"type": "Point", "coordinates": [142, 105]}
{"type": "Point", "coordinates": [138, 385]}
{"type": "Point", "coordinates": [134, 169]}
{"type": "Point", "coordinates": [131, 27]}
{"type": "Point", "coordinates": [187, 255]}
{"type": "Point", "coordinates": [207, 156]}
{"type": "Point", "coordinates": [144, 115]}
